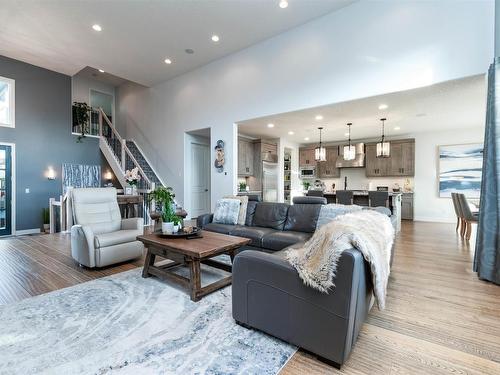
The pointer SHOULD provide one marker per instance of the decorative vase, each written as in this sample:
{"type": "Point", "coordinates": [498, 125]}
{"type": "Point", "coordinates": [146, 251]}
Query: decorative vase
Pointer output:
{"type": "Point", "coordinates": [167, 228]}
{"type": "Point", "coordinates": [134, 190]}
{"type": "Point", "coordinates": [176, 228]}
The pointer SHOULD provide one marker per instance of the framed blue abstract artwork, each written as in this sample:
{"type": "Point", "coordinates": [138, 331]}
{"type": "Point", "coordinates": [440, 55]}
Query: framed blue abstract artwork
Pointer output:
{"type": "Point", "coordinates": [460, 169]}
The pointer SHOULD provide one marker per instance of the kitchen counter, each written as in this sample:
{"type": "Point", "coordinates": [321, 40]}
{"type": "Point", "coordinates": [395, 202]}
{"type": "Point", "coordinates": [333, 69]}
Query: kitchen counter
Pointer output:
{"type": "Point", "coordinates": [360, 193]}
{"type": "Point", "coordinates": [251, 192]}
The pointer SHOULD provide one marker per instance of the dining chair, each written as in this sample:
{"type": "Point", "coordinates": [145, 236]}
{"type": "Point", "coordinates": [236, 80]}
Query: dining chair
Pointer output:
{"type": "Point", "coordinates": [344, 197]}
{"type": "Point", "coordinates": [458, 213]}
{"type": "Point", "coordinates": [467, 215]}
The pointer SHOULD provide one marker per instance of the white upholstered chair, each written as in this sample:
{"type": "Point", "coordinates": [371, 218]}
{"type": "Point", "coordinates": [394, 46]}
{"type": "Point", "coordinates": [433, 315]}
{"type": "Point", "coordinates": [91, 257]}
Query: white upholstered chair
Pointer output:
{"type": "Point", "coordinates": [100, 237]}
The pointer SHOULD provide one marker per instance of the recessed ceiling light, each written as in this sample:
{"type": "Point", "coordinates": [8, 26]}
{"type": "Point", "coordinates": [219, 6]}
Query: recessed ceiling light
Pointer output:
{"type": "Point", "coordinates": [397, 128]}
{"type": "Point", "coordinates": [189, 51]}
{"type": "Point", "coordinates": [291, 133]}
{"type": "Point", "coordinates": [168, 61]}
{"type": "Point", "coordinates": [283, 4]}
{"type": "Point", "coordinates": [102, 71]}
{"type": "Point", "coordinates": [270, 125]}
{"type": "Point", "coordinates": [306, 138]}
{"type": "Point", "coordinates": [319, 117]}
{"type": "Point", "coordinates": [215, 38]}
{"type": "Point", "coordinates": [97, 27]}
{"type": "Point", "coordinates": [383, 106]}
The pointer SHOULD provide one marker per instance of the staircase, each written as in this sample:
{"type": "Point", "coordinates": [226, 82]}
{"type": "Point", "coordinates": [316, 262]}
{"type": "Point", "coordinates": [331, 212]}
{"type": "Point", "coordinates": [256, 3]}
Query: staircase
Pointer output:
{"type": "Point", "coordinates": [123, 155]}
{"type": "Point", "coordinates": [143, 162]}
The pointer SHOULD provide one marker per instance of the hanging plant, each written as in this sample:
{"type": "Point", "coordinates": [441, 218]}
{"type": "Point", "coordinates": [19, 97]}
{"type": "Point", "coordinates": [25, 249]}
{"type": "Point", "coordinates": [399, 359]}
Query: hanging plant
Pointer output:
{"type": "Point", "coordinates": [81, 117]}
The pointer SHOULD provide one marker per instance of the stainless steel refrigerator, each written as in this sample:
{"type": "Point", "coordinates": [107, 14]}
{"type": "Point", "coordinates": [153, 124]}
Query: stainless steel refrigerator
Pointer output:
{"type": "Point", "coordinates": [270, 179]}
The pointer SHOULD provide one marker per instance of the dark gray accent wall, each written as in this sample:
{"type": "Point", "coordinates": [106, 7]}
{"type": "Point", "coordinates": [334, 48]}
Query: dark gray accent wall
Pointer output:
{"type": "Point", "coordinates": [42, 137]}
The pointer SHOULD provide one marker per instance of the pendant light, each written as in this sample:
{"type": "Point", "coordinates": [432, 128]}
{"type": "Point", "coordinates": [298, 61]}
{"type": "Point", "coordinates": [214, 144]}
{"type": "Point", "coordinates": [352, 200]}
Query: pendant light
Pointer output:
{"type": "Point", "coordinates": [349, 150]}
{"type": "Point", "coordinates": [320, 151]}
{"type": "Point", "coordinates": [383, 148]}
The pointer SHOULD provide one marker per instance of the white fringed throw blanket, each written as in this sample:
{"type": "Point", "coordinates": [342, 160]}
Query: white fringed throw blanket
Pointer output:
{"type": "Point", "coordinates": [368, 231]}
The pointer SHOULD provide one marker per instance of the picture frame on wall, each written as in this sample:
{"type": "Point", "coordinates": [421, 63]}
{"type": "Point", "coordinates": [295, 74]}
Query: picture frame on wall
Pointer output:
{"type": "Point", "coordinates": [460, 169]}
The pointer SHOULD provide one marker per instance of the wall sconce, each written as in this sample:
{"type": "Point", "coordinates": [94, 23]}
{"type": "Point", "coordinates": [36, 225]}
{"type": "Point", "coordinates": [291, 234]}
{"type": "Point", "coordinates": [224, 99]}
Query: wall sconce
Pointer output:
{"type": "Point", "coordinates": [51, 174]}
{"type": "Point", "coordinates": [108, 177]}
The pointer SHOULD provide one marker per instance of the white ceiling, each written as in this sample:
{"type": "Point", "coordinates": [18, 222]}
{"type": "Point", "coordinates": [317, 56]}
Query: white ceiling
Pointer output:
{"type": "Point", "coordinates": [455, 104]}
{"type": "Point", "coordinates": [137, 36]}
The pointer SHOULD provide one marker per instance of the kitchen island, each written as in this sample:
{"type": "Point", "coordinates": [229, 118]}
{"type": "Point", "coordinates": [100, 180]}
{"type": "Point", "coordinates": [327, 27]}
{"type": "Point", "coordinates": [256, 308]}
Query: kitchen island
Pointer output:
{"type": "Point", "coordinates": [360, 198]}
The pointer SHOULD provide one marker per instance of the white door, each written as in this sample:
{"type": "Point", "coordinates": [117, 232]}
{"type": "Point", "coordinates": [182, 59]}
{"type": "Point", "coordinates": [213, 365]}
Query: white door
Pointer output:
{"type": "Point", "coordinates": [200, 179]}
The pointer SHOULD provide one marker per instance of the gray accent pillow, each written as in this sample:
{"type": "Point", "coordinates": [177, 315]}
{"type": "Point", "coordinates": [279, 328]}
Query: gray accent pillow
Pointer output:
{"type": "Point", "coordinates": [243, 207]}
{"type": "Point", "coordinates": [329, 212]}
{"type": "Point", "coordinates": [227, 211]}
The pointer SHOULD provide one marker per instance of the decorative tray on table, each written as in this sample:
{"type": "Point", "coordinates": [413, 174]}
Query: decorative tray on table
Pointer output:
{"type": "Point", "coordinates": [182, 233]}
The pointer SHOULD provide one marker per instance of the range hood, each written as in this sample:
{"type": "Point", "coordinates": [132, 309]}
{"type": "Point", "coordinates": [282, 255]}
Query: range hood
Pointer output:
{"type": "Point", "coordinates": [357, 162]}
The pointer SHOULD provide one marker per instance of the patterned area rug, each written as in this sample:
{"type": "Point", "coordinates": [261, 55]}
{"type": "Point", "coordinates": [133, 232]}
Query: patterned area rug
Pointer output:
{"type": "Point", "coordinates": [124, 324]}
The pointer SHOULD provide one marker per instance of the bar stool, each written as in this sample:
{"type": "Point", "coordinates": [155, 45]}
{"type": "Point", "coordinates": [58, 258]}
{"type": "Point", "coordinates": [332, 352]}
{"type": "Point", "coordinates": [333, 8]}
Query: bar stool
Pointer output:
{"type": "Point", "coordinates": [378, 198]}
{"type": "Point", "coordinates": [315, 193]}
{"type": "Point", "coordinates": [344, 197]}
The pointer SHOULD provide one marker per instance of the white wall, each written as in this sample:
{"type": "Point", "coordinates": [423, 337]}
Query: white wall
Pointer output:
{"type": "Point", "coordinates": [428, 205]}
{"type": "Point", "coordinates": [81, 86]}
{"type": "Point", "coordinates": [368, 48]}
{"type": "Point", "coordinates": [497, 28]}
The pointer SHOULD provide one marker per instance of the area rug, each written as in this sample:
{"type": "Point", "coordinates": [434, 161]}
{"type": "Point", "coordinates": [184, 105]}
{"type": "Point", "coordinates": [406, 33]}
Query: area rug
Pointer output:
{"type": "Point", "coordinates": [124, 324]}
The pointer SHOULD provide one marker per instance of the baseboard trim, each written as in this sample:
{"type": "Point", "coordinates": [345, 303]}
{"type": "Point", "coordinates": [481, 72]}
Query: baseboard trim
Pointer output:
{"type": "Point", "coordinates": [435, 219]}
{"type": "Point", "coordinates": [27, 231]}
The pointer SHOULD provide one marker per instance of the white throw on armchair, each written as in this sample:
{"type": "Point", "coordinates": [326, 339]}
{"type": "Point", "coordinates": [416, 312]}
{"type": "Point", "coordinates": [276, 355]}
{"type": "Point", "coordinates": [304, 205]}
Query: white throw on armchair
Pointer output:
{"type": "Point", "coordinates": [100, 237]}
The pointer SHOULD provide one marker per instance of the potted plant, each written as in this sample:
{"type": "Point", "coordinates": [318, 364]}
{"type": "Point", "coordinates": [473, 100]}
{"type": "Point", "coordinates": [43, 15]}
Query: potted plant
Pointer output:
{"type": "Point", "coordinates": [177, 223]}
{"type": "Point", "coordinates": [243, 186]}
{"type": "Point", "coordinates": [168, 222]}
{"type": "Point", "coordinates": [164, 198]}
{"type": "Point", "coordinates": [46, 220]}
{"type": "Point", "coordinates": [81, 117]}
{"type": "Point", "coordinates": [306, 185]}
{"type": "Point", "coordinates": [133, 177]}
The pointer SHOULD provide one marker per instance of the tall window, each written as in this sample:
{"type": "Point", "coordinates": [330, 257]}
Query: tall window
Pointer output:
{"type": "Point", "coordinates": [7, 112]}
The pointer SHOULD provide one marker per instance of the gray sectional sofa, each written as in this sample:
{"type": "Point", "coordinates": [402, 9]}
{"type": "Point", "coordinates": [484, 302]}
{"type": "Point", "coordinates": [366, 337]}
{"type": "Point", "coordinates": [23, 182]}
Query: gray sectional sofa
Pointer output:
{"type": "Point", "coordinates": [269, 295]}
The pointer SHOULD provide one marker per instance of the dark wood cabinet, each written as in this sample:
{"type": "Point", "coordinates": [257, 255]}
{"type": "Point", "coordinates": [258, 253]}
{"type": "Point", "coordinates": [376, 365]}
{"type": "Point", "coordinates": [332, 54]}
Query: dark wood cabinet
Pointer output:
{"type": "Point", "coordinates": [306, 157]}
{"type": "Point", "coordinates": [328, 168]}
{"type": "Point", "coordinates": [245, 157]}
{"type": "Point", "coordinates": [401, 162]}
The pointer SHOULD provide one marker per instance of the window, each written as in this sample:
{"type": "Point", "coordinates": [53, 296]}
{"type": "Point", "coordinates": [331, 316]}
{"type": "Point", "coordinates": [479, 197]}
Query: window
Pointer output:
{"type": "Point", "coordinates": [7, 111]}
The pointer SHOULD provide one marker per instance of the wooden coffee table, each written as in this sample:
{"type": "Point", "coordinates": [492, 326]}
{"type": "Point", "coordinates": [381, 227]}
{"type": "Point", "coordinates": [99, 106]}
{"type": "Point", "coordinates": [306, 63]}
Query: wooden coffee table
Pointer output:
{"type": "Point", "coordinates": [191, 253]}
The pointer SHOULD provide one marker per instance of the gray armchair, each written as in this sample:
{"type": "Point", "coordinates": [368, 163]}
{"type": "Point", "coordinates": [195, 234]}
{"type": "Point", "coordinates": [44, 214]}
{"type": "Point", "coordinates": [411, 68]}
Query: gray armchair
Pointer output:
{"type": "Point", "coordinates": [100, 237]}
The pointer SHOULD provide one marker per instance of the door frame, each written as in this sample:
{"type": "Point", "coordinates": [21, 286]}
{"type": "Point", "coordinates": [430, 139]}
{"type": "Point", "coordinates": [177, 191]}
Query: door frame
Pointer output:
{"type": "Point", "coordinates": [191, 138]}
{"type": "Point", "coordinates": [12, 187]}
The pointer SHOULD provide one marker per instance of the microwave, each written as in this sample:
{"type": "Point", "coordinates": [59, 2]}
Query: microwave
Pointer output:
{"type": "Point", "coordinates": [307, 172]}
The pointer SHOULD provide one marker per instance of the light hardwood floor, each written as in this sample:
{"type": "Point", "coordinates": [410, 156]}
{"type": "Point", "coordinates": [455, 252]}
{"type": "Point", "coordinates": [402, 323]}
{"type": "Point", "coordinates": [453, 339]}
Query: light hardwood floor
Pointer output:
{"type": "Point", "coordinates": [439, 319]}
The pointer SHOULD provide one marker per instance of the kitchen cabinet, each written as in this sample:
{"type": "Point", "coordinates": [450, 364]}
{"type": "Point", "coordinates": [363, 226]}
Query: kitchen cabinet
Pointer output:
{"type": "Point", "coordinates": [328, 169]}
{"type": "Point", "coordinates": [401, 162]}
{"type": "Point", "coordinates": [407, 206]}
{"type": "Point", "coordinates": [245, 157]}
{"type": "Point", "coordinates": [306, 157]}
{"type": "Point", "coordinates": [259, 148]}
{"type": "Point", "coordinates": [375, 167]}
